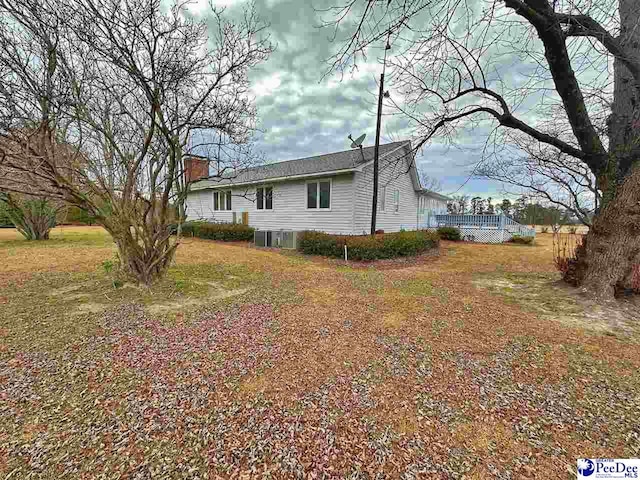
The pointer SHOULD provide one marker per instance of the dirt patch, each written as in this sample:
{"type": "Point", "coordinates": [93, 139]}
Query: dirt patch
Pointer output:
{"type": "Point", "coordinates": [90, 308]}
{"type": "Point", "coordinates": [553, 300]}
{"type": "Point", "coordinates": [216, 292]}
{"type": "Point", "coordinates": [393, 320]}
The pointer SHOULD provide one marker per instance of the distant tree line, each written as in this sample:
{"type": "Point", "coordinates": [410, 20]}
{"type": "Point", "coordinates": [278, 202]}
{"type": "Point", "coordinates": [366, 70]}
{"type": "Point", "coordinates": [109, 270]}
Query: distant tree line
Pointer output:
{"type": "Point", "coordinates": [523, 210]}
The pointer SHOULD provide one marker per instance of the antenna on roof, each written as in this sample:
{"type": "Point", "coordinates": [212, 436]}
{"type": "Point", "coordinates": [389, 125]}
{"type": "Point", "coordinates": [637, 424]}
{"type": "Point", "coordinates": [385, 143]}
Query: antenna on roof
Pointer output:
{"type": "Point", "coordinates": [358, 141]}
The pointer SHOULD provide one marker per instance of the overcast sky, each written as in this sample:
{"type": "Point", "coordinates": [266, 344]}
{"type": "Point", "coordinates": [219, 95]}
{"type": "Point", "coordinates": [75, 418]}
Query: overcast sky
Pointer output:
{"type": "Point", "coordinates": [303, 114]}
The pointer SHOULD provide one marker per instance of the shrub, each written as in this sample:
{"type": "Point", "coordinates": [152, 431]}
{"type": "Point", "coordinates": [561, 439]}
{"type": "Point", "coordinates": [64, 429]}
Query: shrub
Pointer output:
{"type": "Point", "coordinates": [32, 217]}
{"type": "Point", "coordinates": [5, 219]}
{"type": "Point", "coordinates": [567, 249]}
{"type": "Point", "coordinates": [521, 240]}
{"type": "Point", "coordinates": [449, 233]}
{"type": "Point", "coordinates": [225, 232]}
{"type": "Point", "coordinates": [367, 247]}
{"type": "Point", "coordinates": [74, 215]}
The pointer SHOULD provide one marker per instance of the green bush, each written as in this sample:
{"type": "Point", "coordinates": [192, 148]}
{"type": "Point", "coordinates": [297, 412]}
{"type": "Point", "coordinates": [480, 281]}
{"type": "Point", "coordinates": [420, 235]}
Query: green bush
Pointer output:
{"type": "Point", "coordinates": [521, 240]}
{"type": "Point", "coordinates": [225, 232]}
{"type": "Point", "coordinates": [5, 219]}
{"type": "Point", "coordinates": [367, 247]}
{"type": "Point", "coordinates": [74, 215]}
{"type": "Point", "coordinates": [449, 233]}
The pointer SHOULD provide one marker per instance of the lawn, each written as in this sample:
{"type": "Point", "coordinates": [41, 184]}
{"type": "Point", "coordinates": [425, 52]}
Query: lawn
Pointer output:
{"type": "Point", "coordinates": [248, 363]}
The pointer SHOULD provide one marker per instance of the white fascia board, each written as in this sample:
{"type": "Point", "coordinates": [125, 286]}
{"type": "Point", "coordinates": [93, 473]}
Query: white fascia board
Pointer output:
{"type": "Point", "coordinates": [213, 185]}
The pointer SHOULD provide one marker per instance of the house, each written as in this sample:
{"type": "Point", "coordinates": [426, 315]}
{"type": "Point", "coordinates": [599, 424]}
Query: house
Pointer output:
{"type": "Point", "coordinates": [330, 193]}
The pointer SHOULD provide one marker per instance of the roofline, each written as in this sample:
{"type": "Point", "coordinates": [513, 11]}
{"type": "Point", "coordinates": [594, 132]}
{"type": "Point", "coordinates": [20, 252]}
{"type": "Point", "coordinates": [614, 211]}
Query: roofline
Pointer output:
{"type": "Point", "coordinates": [357, 168]}
{"type": "Point", "coordinates": [321, 155]}
{"type": "Point", "coordinates": [404, 143]}
{"type": "Point", "coordinates": [273, 179]}
{"type": "Point", "coordinates": [437, 195]}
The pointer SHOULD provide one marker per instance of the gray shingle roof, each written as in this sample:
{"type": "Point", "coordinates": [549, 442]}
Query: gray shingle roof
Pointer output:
{"type": "Point", "coordinates": [329, 162]}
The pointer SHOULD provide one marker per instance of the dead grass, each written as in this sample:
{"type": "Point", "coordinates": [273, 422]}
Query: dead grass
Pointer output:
{"type": "Point", "coordinates": [472, 363]}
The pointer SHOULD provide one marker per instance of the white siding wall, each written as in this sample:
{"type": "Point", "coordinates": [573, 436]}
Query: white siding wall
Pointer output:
{"type": "Point", "coordinates": [428, 208]}
{"type": "Point", "coordinates": [199, 205]}
{"type": "Point", "coordinates": [289, 207]}
{"type": "Point", "coordinates": [392, 176]}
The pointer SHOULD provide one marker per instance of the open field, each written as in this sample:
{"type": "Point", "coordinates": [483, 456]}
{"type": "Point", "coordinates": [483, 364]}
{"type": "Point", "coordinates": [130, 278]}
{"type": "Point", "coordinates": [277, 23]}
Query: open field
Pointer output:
{"type": "Point", "coordinates": [580, 229]}
{"type": "Point", "coordinates": [248, 363]}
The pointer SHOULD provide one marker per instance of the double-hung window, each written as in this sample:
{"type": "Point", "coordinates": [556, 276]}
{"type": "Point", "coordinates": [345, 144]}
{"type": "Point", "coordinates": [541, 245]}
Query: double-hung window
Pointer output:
{"type": "Point", "coordinates": [222, 200]}
{"type": "Point", "coordinates": [319, 195]}
{"type": "Point", "coordinates": [264, 198]}
{"type": "Point", "coordinates": [382, 198]}
{"type": "Point", "coordinates": [396, 201]}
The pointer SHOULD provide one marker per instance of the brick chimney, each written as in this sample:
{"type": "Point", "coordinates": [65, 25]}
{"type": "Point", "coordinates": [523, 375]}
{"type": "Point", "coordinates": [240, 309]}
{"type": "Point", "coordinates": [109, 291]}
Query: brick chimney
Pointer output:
{"type": "Point", "coordinates": [195, 168]}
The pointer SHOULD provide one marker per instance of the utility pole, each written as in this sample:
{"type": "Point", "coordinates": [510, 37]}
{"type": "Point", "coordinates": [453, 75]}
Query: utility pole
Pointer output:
{"type": "Point", "coordinates": [374, 207]}
{"type": "Point", "coordinates": [376, 151]}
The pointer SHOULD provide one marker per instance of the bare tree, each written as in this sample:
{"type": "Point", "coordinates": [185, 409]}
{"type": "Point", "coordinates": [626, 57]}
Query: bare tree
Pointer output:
{"type": "Point", "coordinates": [551, 177]}
{"type": "Point", "coordinates": [427, 181]}
{"type": "Point", "coordinates": [129, 89]}
{"type": "Point", "coordinates": [455, 63]}
{"type": "Point", "coordinates": [459, 205]}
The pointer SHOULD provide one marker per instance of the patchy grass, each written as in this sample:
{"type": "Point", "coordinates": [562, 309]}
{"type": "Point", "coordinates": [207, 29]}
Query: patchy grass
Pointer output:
{"type": "Point", "coordinates": [551, 299]}
{"type": "Point", "coordinates": [473, 364]}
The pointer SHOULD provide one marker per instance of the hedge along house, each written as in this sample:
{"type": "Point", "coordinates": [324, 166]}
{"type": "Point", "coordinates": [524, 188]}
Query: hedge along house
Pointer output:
{"type": "Point", "coordinates": [330, 193]}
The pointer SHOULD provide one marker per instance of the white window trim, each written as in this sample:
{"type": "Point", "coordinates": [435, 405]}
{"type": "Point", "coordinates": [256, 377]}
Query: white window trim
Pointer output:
{"type": "Point", "coordinates": [222, 195]}
{"type": "Point", "coordinates": [396, 203]}
{"type": "Point", "coordinates": [264, 199]}
{"type": "Point", "coordinates": [306, 194]}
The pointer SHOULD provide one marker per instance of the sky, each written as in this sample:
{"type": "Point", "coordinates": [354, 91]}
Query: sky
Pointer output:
{"type": "Point", "coordinates": [303, 113]}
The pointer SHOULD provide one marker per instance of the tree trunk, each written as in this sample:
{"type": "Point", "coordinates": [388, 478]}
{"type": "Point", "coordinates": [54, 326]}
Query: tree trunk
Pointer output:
{"type": "Point", "coordinates": [605, 266]}
{"type": "Point", "coordinates": [146, 259]}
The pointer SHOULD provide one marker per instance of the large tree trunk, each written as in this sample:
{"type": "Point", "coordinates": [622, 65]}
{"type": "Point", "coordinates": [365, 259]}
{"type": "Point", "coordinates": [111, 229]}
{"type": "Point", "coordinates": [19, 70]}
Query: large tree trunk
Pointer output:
{"type": "Point", "coordinates": [606, 265]}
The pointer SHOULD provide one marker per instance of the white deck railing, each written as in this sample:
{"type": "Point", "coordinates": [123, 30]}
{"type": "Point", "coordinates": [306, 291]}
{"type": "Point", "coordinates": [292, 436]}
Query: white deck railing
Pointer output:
{"type": "Point", "coordinates": [484, 228]}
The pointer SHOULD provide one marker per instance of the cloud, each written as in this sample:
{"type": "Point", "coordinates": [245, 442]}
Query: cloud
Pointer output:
{"type": "Point", "coordinates": [303, 113]}
{"type": "Point", "coordinates": [199, 7]}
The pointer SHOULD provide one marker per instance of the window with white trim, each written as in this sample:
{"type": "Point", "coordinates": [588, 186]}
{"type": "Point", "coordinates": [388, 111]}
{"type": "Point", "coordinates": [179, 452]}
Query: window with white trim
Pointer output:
{"type": "Point", "coordinates": [264, 198]}
{"type": "Point", "coordinates": [319, 195]}
{"type": "Point", "coordinates": [222, 200]}
{"type": "Point", "coordinates": [396, 200]}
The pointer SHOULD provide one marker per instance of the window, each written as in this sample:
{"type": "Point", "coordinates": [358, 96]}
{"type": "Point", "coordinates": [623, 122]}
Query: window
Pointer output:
{"type": "Point", "coordinates": [312, 195]}
{"type": "Point", "coordinates": [268, 198]}
{"type": "Point", "coordinates": [319, 195]}
{"type": "Point", "coordinates": [222, 200]}
{"type": "Point", "coordinates": [396, 201]}
{"type": "Point", "coordinates": [382, 195]}
{"type": "Point", "coordinates": [264, 198]}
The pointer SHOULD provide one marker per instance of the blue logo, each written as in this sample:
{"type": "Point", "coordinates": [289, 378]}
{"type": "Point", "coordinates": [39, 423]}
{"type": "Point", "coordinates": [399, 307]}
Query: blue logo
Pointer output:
{"type": "Point", "coordinates": [586, 467]}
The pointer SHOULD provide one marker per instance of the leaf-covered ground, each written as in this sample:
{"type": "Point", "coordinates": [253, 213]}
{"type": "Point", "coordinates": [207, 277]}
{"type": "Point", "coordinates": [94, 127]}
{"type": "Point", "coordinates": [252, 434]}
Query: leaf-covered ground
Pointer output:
{"type": "Point", "coordinates": [247, 363]}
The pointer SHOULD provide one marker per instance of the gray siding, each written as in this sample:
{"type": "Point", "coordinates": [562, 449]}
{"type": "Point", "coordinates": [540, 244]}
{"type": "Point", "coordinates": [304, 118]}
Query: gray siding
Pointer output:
{"type": "Point", "coordinates": [289, 207]}
{"type": "Point", "coordinates": [392, 176]}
